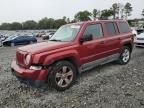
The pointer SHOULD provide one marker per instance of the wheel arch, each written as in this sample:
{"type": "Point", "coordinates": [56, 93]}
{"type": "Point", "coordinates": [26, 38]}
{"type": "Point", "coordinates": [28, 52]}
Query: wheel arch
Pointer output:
{"type": "Point", "coordinates": [129, 45]}
{"type": "Point", "coordinates": [70, 59]}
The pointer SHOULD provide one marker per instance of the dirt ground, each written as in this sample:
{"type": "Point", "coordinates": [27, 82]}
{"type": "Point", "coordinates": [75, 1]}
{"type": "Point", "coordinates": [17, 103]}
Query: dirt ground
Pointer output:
{"type": "Point", "coordinates": [107, 86]}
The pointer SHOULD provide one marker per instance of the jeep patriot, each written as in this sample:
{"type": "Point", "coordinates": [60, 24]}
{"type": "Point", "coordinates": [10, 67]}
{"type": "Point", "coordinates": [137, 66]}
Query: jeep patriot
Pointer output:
{"type": "Point", "coordinates": [74, 48]}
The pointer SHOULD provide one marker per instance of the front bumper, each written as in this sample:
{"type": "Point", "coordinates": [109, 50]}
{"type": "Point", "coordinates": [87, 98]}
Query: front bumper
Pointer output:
{"type": "Point", "coordinates": [34, 77]}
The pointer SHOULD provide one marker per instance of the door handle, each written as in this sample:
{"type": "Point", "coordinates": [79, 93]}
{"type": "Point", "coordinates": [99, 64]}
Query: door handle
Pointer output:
{"type": "Point", "coordinates": [102, 42]}
{"type": "Point", "coordinates": [119, 38]}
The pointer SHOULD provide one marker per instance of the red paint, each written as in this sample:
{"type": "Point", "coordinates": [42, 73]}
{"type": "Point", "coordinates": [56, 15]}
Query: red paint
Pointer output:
{"type": "Point", "coordinates": [47, 53]}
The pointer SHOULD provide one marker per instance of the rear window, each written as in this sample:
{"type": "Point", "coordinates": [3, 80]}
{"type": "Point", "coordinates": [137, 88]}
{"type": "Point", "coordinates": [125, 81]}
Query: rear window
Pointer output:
{"type": "Point", "coordinates": [111, 28]}
{"type": "Point", "coordinates": [124, 27]}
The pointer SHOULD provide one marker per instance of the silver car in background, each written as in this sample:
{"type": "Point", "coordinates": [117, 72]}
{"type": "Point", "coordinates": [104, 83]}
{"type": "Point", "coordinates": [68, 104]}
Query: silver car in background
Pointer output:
{"type": "Point", "coordinates": [0, 42]}
{"type": "Point", "coordinates": [139, 40]}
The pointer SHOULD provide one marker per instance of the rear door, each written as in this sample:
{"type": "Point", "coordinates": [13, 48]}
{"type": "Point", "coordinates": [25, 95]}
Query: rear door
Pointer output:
{"type": "Point", "coordinates": [112, 38]}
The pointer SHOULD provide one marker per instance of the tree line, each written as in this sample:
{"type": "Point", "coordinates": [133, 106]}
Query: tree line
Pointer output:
{"type": "Point", "coordinates": [116, 11]}
{"type": "Point", "coordinates": [44, 23]}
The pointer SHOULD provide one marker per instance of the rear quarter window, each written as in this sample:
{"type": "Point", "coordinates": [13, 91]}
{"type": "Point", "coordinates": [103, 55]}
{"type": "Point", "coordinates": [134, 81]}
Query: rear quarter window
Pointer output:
{"type": "Point", "coordinates": [124, 27]}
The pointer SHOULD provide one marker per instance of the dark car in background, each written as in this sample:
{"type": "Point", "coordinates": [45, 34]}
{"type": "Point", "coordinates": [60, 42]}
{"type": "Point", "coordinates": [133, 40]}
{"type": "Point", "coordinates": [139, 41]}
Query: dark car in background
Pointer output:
{"type": "Point", "coordinates": [19, 40]}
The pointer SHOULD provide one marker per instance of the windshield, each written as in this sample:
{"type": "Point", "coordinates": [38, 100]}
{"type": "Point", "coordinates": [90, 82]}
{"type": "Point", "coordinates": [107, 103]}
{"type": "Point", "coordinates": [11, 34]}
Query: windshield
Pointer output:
{"type": "Point", "coordinates": [66, 33]}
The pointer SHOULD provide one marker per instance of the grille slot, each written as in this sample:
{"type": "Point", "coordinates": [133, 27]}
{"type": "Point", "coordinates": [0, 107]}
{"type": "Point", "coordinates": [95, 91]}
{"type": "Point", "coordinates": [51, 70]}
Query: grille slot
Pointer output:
{"type": "Point", "coordinates": [20, 56]}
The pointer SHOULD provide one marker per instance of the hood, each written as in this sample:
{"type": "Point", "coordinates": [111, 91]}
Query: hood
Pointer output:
{"type": "Point", "coordinates": [43, 47]}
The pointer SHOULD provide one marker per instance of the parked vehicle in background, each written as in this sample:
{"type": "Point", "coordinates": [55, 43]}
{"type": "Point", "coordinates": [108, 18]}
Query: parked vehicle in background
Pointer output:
{"type": "Point", "coordinates": [74, 48]}
{"type": "Point", "coordinates": [139, 40]}
{"type": "Point", "coordinates": [48, 35]}
{"type": "Point", "coordinates": [19, 40]}
{"type": "Point", "coordinates": [40, 34]}
{"type": "Point", "coordinates": [54, 30]}
{"type": "Point", "coordinates": [0, 42]}
{"type": "Point", "coordinates": [3, 37]}
{"type": "Point", "coordinates": [139, 31]}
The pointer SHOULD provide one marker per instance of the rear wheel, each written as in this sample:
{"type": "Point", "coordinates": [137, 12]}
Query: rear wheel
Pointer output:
{"type": "Point", "coordinates": [125, 56]}
{"type": "Point", "coordinates": [62, 75]}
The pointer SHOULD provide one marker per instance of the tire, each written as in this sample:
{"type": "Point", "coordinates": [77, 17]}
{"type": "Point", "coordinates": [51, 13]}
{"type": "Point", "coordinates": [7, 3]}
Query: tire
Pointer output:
{"type": "Point", "coordinates": [12, 44]}
{"type": "Point", "coordinates": [62, 75]}
{"type": "Point", "coordinates": [125, 55]}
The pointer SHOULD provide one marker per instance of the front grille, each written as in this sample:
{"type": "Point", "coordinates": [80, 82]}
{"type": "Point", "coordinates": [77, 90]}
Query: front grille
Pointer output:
{"type": "Point", "coordinates": [20, 56]}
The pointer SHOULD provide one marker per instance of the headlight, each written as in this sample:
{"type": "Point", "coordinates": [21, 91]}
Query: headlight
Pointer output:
{"type": "Point", "coordinates": [36, 67]}
{"type": "Point", "coordinates": [27, 59]}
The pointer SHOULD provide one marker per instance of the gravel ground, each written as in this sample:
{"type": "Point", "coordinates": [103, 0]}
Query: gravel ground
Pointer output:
{"type": "Point", "coordinates": [107, 86]}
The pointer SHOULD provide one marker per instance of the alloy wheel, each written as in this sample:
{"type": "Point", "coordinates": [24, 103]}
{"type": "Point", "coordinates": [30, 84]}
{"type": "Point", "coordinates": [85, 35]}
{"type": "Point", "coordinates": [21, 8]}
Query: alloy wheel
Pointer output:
{"type": "Point", "coordinates": [64, 76]}
{"type": "Point", "coordinates": [126, 55]}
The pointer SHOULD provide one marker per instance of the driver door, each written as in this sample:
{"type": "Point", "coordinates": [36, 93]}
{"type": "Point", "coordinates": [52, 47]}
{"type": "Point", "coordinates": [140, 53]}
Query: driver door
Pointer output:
{"type": "Point", "coordinates": [90, 50]}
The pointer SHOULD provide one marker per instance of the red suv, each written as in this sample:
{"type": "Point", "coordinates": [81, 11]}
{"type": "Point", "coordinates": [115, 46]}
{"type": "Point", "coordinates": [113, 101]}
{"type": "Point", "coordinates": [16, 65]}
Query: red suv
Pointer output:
{"type": "Point", "coordinates": [74, 48]}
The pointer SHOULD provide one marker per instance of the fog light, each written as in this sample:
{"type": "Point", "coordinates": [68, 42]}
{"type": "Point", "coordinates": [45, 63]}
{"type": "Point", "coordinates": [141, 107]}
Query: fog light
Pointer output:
{"type": "Point", "coordinates": [35, 67]}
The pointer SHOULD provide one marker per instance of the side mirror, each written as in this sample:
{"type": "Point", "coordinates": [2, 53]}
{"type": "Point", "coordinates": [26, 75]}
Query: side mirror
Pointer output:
{"type": "Point", "coordinates": [86, 38]}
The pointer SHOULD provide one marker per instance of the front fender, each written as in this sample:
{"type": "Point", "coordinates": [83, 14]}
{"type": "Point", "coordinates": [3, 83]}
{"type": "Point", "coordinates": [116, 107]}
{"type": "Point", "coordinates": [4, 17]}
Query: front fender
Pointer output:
{"type": "Point", "coordinates": [50, 59]}
{"type": "Point", "coordinates": [47, 59]}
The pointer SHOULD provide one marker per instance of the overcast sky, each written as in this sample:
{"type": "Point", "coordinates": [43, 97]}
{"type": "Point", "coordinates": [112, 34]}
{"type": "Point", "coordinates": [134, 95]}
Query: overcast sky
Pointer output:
{"type": "Point", "coordinates": [22, 10]}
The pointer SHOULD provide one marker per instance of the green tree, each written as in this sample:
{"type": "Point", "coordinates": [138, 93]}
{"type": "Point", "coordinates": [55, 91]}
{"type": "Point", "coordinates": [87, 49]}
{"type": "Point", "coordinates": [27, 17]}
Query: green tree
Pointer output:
{"type": "Point", "coordinates": [30, 25]}
{"type": "Point", "coordinates": [128, 9]}
{"type": "Point", "coordinates": [50, 23]}
{"type": "Point", "coordinates": [95, 13]}
{"type": "Point", "coordinates": [46, 23]}
{"type": "Point", "coordinates": [115, 8]}
{"type": "Point", "coordinates": [16, 26]}
{"type": "Point", "coordinates": [106, 13]}
{"type": "Point", "coordinates": [83, 16]}
{"type": "Point", "coordinates": [5, 26]}
{"type": "Point", "coordinates": [59, 23]}
{"type": "Point", "coordinates": [42, 24]}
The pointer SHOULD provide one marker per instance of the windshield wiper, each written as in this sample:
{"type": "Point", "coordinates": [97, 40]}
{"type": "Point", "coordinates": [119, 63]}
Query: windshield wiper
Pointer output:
{"type": "Point", "coordinates": [55, 40]}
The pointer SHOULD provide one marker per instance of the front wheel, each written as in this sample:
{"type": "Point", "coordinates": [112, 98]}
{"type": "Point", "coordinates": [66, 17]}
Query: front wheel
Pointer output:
{"type": "Point", "coordinates": [125, 56]}
{"type": "Point", "coordinates": [62, 75]}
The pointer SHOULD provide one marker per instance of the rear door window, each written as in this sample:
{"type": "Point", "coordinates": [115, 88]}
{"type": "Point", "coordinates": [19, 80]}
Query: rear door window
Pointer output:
{"type": "Point", "coordinates": [111, 28]}
{"type": "Point", "coordinates": [95, 30]}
